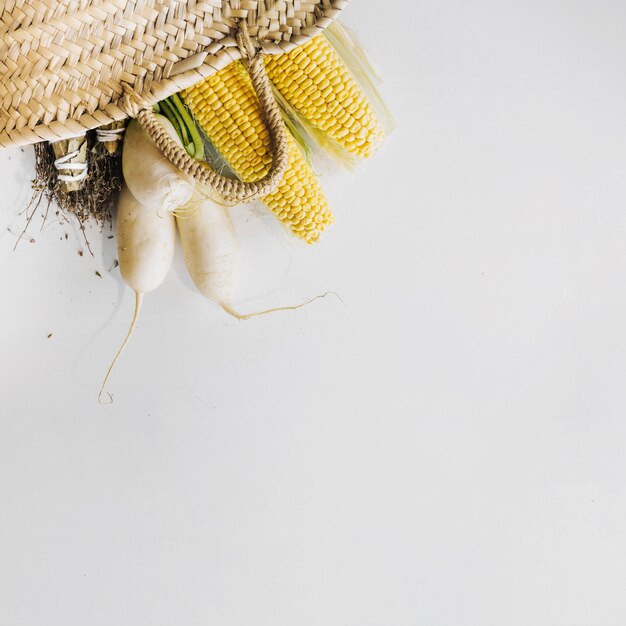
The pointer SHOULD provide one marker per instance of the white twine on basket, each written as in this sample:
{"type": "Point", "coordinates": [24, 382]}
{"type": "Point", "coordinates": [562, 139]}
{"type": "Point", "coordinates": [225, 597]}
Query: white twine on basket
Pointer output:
{"type": "Point", "coordinates": [62, 165]}
{"type": "Point", "coordinates": [109, 134]}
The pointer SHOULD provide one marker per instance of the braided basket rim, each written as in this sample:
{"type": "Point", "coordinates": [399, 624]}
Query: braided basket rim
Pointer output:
{"type": "Point", "coordinates": [51, 88]}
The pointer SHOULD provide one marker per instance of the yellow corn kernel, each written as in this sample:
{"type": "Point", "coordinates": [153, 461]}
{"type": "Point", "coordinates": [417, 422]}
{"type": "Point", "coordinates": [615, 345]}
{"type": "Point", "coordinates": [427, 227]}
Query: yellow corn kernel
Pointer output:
{"type": "Point", "coordinates": [316, 82]}
{"type": "Point", "coordinates": [227, 109]}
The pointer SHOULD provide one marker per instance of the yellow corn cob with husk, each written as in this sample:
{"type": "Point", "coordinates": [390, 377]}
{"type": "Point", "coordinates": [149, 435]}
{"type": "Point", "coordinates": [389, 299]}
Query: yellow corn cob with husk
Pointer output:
{"type": "Point", "coordinates": [316, 82]}
{"type": "Point", "coordinates": [227, 109]}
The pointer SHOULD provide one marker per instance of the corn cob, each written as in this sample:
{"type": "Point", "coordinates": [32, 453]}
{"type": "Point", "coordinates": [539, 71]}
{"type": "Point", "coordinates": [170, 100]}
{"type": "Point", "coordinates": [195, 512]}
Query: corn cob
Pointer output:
{"type": "Point", "coordinates": [316, 82]}
{"type": "Point", "coordinates": [227, 109]}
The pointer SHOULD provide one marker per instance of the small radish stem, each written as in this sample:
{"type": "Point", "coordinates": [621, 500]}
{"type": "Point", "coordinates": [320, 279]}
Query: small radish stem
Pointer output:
{"type": "Point", "coordinates": [138, 303]}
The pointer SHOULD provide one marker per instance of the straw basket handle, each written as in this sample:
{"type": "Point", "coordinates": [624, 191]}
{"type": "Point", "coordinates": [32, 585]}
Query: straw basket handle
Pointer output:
{"type": "Point", "coordinates": [230, 190]}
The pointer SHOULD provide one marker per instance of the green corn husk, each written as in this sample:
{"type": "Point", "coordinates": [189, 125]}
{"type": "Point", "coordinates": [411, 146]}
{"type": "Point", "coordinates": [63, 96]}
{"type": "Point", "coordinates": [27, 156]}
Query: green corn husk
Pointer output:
{"type": "Point", "coordinates": [190, 135]}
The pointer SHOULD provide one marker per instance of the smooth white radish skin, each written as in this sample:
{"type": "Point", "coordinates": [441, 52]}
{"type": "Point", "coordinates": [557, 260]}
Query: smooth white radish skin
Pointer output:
{"type": "Point", "coordinates": [146, 241]}
{"type": "Point", "coordinates": [151, 178]}
{"type": "Point", "coordinates": [210, 249]}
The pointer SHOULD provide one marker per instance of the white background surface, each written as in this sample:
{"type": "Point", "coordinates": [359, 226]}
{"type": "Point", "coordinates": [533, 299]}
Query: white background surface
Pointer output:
{"type": "Point", "coordinates": [446, 447]}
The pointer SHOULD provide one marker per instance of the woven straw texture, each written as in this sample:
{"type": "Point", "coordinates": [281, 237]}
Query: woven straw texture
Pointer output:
{"type": "Point", "coordinates": [64, 64]}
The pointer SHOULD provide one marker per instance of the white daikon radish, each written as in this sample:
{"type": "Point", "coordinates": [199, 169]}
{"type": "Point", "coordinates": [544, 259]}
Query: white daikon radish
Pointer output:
{"type": "Point", "coordinates": [151, 178]}
{"type": "Point", "coordinates": [212, 253]}
{"type": "Point", "coordinates": [146, 242]}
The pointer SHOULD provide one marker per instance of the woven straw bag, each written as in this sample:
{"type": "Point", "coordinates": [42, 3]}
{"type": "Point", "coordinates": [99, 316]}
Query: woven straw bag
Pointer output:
{"type": "Point", "coordinates": [67, 66]}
